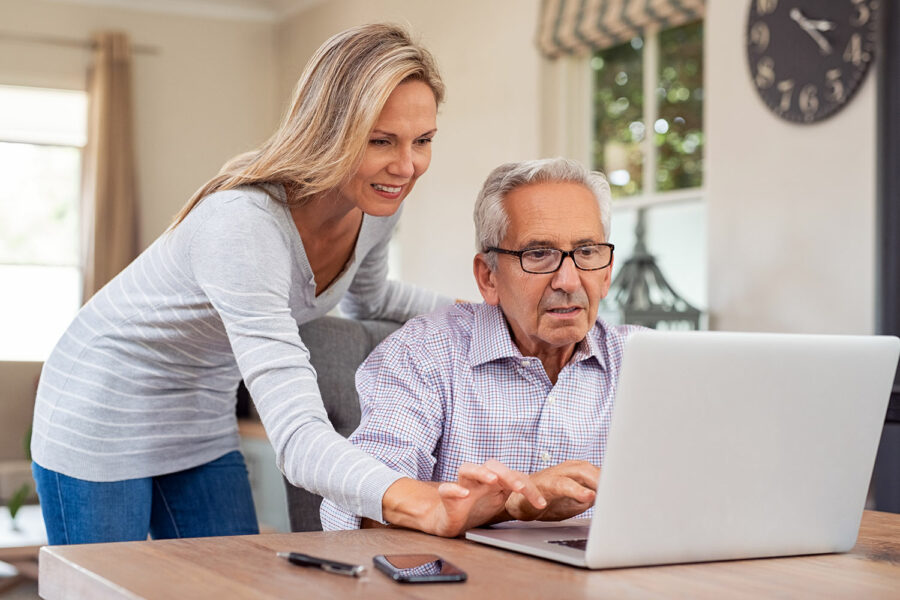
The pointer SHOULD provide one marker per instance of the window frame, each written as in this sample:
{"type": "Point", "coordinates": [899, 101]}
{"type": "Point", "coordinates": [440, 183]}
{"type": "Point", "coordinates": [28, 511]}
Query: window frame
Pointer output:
{"type": "Point", "coordinates": [75, 264]}
{"type": "Point", "coordinates": [77, 259]}
{"type": "Point", "coordinates": [568, 116]}
{"type": "Point", "coordinates": [649, 195]}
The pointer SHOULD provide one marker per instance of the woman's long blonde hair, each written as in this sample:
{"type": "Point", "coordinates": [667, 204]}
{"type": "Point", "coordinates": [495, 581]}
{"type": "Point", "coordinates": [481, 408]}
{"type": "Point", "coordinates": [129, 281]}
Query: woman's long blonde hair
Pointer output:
{"type": "Point", "coordinates": [337, 100]}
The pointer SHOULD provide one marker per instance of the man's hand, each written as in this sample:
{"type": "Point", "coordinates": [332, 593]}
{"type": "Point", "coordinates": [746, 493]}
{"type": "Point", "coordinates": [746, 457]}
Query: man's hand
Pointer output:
{"type": "Point", "coordinates": [480, 492]}
{"type": "Point", "coordinates": [448, 509]}
{"type": "Point", "coordinates": [569, 488]}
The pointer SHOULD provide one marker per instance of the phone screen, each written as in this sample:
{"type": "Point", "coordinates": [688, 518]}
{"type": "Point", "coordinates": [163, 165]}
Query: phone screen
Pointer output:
{"type": "Point", "coordinates": [418, 568]}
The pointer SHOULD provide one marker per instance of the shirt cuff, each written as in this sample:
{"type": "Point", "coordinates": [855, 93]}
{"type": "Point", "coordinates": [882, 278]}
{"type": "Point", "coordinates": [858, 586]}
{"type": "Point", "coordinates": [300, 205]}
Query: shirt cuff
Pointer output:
{"type": "Point", "coordinates": [336, 518]}
{"type": "Point", "coordinates": [372, 489]}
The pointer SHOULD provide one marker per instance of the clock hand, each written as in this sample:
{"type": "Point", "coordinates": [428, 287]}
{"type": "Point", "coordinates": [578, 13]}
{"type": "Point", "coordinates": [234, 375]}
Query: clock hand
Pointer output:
{"type": "Point", "coordinates": [812, 28]}
{"type": "Point", "coordinates": [821, 24]}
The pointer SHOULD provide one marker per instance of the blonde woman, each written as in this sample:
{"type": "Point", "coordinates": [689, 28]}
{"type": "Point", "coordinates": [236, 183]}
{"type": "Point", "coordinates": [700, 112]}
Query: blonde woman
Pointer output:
{"type": "Point", "coordinates": [134, 426]}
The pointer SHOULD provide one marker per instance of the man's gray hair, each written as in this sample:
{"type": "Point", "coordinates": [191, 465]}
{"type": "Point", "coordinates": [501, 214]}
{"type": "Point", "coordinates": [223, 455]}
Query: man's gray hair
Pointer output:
{"type": "Point", "coordinates": [491, 220]}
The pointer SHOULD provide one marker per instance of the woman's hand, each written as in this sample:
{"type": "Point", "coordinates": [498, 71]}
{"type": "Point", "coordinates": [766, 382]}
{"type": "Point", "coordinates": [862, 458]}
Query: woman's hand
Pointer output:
{"type": "Point", "coordinates": [569, 487]}
{"type": "Point", "coordinates": [448, 509]}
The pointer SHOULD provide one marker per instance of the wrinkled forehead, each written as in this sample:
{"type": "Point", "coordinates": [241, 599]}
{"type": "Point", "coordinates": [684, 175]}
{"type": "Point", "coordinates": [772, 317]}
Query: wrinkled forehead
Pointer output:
{"type": "Point", "coordinates": [558, 214]}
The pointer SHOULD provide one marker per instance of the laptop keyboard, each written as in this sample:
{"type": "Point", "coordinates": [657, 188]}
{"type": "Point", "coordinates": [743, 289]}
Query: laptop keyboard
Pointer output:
{"type": "Point", "coordinates": [577, 544]}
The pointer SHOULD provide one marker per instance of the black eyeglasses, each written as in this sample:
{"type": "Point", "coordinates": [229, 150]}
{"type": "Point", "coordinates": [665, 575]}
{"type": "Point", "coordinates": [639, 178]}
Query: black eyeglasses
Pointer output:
{"type": "Point", "coordinates": [548, 260]}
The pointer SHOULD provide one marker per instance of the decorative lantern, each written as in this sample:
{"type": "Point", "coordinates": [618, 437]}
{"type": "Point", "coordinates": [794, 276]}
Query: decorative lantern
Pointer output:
{"type": "Point", "coordinates": [640, 295]}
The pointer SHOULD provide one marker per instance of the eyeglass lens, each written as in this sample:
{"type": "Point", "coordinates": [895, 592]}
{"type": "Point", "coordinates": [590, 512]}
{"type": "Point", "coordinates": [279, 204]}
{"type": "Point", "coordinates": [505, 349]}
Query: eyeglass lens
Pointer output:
{"type": "Point", "coordinates": [547, 260]}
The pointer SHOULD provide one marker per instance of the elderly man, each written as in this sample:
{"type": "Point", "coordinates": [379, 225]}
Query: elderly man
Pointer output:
{"type": "Point", "coordinates": [528, 377]}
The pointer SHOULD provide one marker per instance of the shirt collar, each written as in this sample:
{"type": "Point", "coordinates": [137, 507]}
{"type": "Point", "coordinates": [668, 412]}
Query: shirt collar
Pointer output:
{"type": "Point", "coordinates": [490, 336]}
{"type": "Point", "coordinates": [491, 339]}
{"type": "Point", "coordinates": [590, 346]}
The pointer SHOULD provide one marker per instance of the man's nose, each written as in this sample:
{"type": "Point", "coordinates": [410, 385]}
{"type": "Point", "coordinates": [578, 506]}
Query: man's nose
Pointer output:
{"type": "Point", "coordinates": [566, 278]}
{"type": "Point", "coordinates": [402, 165]}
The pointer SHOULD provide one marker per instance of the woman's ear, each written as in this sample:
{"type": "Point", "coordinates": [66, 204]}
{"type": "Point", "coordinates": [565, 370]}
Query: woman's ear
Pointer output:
{"type": "Point", "coordinates": [484, 277]}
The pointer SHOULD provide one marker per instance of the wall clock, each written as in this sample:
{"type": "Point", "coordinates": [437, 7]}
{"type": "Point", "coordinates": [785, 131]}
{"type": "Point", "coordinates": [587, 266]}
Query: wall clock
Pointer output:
{"type": "Point", "coordinates": [808, 57]}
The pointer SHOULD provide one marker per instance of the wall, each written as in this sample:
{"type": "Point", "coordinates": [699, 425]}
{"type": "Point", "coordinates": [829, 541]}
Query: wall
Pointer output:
{"type": "Point", "coordinates": [791, 207]}
{"type": "Point", "coordinates": [491, 114]}
{"type": "Point", "coordinates": [204, 96]}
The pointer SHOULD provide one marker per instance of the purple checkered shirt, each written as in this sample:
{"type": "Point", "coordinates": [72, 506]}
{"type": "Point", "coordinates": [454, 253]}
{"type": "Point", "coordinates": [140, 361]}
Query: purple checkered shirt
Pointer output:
{"type": "Point", "coordinates": [452, 387]}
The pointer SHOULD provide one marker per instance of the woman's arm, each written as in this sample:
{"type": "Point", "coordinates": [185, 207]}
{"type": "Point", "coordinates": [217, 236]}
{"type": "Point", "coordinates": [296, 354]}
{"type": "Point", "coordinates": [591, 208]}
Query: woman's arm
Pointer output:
{"type": "Point", "coordinates": [241, 259]}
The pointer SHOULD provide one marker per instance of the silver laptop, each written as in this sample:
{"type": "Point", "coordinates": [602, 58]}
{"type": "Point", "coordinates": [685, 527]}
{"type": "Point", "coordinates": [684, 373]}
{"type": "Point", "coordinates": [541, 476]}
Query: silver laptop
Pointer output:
{"type": "Point", "coordinates": [726, 446]}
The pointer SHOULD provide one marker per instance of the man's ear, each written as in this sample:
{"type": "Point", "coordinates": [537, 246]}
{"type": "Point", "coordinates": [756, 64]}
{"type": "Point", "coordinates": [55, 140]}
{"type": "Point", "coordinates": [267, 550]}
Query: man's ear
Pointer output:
{"type": "Point", "coordinates": [607, 278]}
{"type": "Point", "coordinates": [484, 277]}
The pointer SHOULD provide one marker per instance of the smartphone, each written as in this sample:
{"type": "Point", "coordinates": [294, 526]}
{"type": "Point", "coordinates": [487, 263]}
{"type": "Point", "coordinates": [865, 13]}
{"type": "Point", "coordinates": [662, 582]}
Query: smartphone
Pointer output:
{"type": "Point", "coordinates": [418, 568]}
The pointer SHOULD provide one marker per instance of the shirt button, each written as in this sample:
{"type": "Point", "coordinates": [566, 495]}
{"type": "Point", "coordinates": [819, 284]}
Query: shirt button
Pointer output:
{"type": "Point", "coordinates": [525, 362]}
{"type": "Point", "coordinates": [550, 398]}
{"type": "Point", "coordinates": [545, 457]}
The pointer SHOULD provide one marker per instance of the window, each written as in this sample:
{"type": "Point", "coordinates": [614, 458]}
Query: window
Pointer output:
{"type": "Point", "coordinates": [648, 138]}
{"type": "Point", "coordinates": [42, 134]}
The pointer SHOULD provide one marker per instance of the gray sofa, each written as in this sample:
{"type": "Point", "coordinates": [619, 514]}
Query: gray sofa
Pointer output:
{"type": "Point", "coordinates": [337, 346]}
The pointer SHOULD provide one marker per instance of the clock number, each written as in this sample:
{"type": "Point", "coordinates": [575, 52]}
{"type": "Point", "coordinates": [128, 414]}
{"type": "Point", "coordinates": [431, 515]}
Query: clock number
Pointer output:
{"type": "Point", "coordinates": [766, 7]}
{"type": "Point", "coordinates": [759, 36]}
{"type": "Point", "coordinates": [765, 73]}
{"type": "Point", "coordinates": [853, 53]}
{"type": "Point", "coordinates": [786, 88]}
{"type": "Point", "coordinates": [863, 13]}
{"type": "Point", "coordinates": [808, 100]}
{"type": "Point", "coordinates": [836, 86]}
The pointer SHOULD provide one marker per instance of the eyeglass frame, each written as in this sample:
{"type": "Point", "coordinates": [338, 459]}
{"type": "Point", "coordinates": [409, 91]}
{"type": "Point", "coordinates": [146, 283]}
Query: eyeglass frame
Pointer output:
{"type": "Point", "coordinates": [562, 256]}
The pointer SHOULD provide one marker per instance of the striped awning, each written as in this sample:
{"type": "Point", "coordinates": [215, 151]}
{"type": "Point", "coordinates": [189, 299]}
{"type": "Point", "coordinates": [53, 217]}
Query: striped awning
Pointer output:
{"type": "Point", "coordinates": [581, 26]}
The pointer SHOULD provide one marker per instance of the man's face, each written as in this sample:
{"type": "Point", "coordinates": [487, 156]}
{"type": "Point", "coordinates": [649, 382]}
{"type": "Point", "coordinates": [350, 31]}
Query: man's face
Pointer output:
{"type": "Point", "coordinates": [549, 312]}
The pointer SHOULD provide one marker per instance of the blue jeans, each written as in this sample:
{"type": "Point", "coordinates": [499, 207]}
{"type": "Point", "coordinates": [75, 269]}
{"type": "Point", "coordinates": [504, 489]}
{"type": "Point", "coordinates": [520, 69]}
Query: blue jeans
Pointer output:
{"type": "Point", "coordinates": [212, 499]}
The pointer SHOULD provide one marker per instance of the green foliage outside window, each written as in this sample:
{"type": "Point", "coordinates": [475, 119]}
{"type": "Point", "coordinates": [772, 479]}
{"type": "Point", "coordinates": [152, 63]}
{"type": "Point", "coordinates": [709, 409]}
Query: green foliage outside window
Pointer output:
{"type": "Point", "coordinates": [618, 114]}
{"type": "Point", "coordinates": [619, 129]}
{"type": "Point", "coordinates": [680, 160]}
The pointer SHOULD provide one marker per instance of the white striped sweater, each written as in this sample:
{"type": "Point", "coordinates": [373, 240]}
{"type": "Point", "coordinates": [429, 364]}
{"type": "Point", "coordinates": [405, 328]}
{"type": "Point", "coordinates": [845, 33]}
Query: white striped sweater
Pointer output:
{"type": "Point", "coordinates": [143, 381]}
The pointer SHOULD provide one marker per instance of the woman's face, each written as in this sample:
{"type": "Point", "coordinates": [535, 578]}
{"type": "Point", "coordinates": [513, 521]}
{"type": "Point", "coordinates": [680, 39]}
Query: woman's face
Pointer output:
{"type": "Point", "coordinates": [398, 151]}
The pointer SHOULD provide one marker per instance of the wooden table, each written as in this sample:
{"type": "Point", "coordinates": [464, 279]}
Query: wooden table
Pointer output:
{"type": "Point", "coordinates": [246, 567]}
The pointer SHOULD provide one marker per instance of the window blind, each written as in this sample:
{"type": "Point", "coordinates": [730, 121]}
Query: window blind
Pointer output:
{"type": "Point", "coordinates": [578, 27]}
